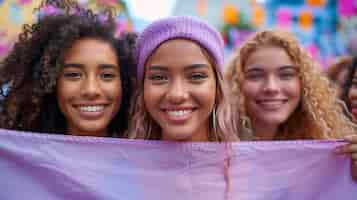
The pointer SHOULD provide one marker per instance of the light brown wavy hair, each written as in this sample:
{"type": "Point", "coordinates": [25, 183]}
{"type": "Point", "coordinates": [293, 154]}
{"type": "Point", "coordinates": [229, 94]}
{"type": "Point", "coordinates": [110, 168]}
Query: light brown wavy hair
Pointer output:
{"type": "Point", "coordinates": [223, 121]}
{"type": "Point", "coordinates": [342, 63]}
{"type": "Point", "coordinates": [319, 114]}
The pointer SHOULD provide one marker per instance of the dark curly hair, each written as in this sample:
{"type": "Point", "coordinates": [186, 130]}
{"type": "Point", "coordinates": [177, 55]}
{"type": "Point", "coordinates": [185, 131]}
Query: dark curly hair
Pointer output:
{"type": "Point", "coordinates": [29, 73]}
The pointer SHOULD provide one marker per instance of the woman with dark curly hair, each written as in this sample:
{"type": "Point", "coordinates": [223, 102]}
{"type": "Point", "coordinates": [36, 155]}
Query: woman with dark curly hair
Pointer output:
{"type": "Point", "coordinates": [68, 74]}
{"type": "Point", "coordinates": [337, 72]}
{"type": "Point", "coordinates": [350, 97]}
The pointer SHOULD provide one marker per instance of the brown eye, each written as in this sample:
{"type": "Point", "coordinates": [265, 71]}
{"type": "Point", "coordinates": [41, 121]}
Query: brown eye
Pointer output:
{"type": "Point", "coordinates": [198, 76]}
{"type": "Point", "coordinates": [254, 75]}
{"type": "Point", "coordinates": [157, 77]}
{"type": "Point", "coordinates": [287, 75]}
{"type": "Point", "coordinates": [108, 76]}
{"type": "Point", "coordinates": [72, 75]}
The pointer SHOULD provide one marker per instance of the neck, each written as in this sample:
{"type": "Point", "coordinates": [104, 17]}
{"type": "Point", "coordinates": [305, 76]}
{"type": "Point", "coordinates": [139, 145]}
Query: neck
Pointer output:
{"type": "Point", "coordinates": [75, 132]}
{"type": "Point", "coordinates": [200, 135]}
{"type": "Point", "coordinates": [265, 132]}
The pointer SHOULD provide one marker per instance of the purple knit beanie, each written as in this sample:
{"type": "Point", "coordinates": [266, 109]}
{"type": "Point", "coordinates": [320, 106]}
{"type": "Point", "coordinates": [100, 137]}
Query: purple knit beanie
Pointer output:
{"type": "Point", "coordinates": [178, 27]}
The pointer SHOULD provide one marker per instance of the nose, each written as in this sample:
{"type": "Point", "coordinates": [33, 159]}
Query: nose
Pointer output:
{"type": "Point", "coordinates": [177, 92]}
{"type": "Point", "coordinates": [271, 85]}
{"type": "Point", "coordinates": [90, 88]}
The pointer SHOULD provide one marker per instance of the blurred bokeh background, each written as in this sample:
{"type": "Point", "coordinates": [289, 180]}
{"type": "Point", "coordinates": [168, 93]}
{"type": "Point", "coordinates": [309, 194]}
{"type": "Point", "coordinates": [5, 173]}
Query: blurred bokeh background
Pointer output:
{"type": "Point", "coordinates": [326, 28]}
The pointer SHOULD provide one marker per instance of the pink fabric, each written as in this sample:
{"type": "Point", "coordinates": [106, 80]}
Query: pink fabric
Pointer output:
{"type": "Point", "coordinates": [56, 167]}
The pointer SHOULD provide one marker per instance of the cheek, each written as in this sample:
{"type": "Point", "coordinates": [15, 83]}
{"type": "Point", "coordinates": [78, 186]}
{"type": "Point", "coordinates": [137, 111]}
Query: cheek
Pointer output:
{"type": "Point", "coordinates": [213, 91]}
{"type": "Point", "coordinates": [294, 89]}
{"type": "Point", "coordinates": [152, 95]}
{"type": "Point", "coordinates": [64, 96]}
{"type": "Point", "coordinates": [64, 92]}
{"type": "Point", "coordinates": [206, 93]}
{"type": "Point", "coordinates": [68, 88]}
{"type": "Point", "coordinates": [114, 90]}
{"type": "Point", "coordinates": [249, 90]}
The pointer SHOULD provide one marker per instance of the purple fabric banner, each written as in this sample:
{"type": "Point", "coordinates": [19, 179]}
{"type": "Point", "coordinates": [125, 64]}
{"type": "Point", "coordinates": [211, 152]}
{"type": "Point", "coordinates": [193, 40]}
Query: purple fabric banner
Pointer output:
{"type": "Point", "coordinates": [56, 167]}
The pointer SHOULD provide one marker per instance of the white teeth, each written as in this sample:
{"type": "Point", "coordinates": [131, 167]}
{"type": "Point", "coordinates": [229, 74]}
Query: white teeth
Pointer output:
{"type": "Point", "coordinates": [271, 102]}
{"type": "Point", "coordinates": [91, 108]}
{"type": "Point", "coordinates": [179, 112]}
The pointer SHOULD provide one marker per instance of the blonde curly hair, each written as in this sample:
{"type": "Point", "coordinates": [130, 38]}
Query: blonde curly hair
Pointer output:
{"type": "Point", "coordinates": [223, 121]}
{"type": "Point", "coordinates": [319, 114]}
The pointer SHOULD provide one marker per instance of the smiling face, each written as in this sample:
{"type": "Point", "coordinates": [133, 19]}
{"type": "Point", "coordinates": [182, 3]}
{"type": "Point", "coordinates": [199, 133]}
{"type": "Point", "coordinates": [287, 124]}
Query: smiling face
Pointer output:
{"type": "Point", "coordinates": [352, 95]}
{"type": "Point", "coordinates": [89, 87]}
{"type": "Point", "coordinates": [271, 88]}
{"type": "Point", "coordinates": [180, 90]}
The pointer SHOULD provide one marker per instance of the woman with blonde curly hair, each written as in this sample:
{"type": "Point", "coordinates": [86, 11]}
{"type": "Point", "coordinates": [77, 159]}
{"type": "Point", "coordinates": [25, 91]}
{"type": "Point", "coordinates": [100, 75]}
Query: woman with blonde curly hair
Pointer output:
{"type": "Point", "coordinates": [283, 95]}
{"type": "Point", "coordinates": [181, 95]}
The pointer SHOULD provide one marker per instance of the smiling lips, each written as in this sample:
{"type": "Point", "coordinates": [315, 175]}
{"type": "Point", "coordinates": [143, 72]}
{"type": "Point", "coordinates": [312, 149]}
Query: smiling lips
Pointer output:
{"type": "Point", "coordinates": [91, 112]}
{"type": "Point", "coordinates": [178, 115]}
{"type": "Point", "coordinates": [271, 104]}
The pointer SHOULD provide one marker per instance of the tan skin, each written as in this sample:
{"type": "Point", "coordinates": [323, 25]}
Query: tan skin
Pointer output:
{"type": "Point", "coordinates": [271, 88]}
{"type": "Point", "coordinates": [270, 74]}
{"type": "Point", "coordinates": [89, 87]}
{"type": "Point", "coordinates": [350, 149]}
{"type": "Point", "coordinates": [180, 90]}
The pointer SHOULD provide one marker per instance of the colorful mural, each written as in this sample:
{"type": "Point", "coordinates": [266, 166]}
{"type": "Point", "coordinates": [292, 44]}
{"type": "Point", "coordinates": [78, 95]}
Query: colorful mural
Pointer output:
{"type": "Point", "coordinates": [320, 25]}
{"type": "Point", "coordinates": [15, 13]}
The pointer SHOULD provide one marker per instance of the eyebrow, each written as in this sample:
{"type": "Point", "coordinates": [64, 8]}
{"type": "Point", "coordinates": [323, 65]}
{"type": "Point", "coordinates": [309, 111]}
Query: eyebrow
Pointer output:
{"type": "Point", "coordinates": [253, 69]}
{"type": "Point", "coordinates": [288, 67]}
{"type": "Point", "coordinates": [195, 66]}
{"type": "Point", "coordinates": [261, 68]}
{"type": "Point", "coordinates": [157, 67]}
{"type": "Point", "coordinates": [81, 66]}
{"type": "Point", "coordinates": [189, 67]}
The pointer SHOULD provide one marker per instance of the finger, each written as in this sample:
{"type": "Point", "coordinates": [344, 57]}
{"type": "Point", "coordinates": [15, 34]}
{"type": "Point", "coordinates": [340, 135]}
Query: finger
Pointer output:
{"type": "Point", "coordinates": [339, 150]}
{"type": "Point", "coordinates": [342, 149]}
{"type": "Point", "coordinates": [349, 148]}
{"type": "Point", "coordinates": [352, 148]}
{"type": "Point", "coordinates": [351, 138]}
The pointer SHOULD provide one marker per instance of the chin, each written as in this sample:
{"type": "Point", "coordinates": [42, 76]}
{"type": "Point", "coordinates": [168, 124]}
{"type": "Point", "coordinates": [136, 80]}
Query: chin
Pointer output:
{"type": "Point", "coordinates": [178, 135]}
{"type": "Point", "coordinates": [274, 120]}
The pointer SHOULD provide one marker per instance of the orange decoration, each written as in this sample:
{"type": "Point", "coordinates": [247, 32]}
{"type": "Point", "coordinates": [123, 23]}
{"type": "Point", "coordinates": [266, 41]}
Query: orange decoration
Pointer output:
{"type": "Point", "coordinates": [318, 3]}
{"type": "Point", "coordinates": [306, 19]}
{"type": "Point", "coordinates": [230, 14]}
{"type": "Point", "coordinates": [258, 17]}
{"type": "Point", "coordinates": [253, 3]}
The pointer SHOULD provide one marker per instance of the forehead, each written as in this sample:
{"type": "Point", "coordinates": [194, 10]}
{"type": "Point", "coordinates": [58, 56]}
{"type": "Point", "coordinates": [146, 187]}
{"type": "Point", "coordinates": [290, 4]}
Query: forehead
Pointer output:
{"type": "Point", "coordinates": [268, 57]}
{"type": "Point", "coordinates": [177, 52]}
{"type": "Point", "coordinates": [89, 49]}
